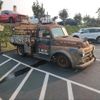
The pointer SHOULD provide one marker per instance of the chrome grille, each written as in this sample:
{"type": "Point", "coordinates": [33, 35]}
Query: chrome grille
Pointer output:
{"type": "Point", "coordinates": [88, 56]}
{"type": "Point", "coordinates": [85, 44]}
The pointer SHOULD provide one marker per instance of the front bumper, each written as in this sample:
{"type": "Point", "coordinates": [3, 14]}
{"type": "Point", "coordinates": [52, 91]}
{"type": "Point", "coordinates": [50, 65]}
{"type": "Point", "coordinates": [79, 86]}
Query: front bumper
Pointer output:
{"type": "Point", "coordinates": [82, 66]}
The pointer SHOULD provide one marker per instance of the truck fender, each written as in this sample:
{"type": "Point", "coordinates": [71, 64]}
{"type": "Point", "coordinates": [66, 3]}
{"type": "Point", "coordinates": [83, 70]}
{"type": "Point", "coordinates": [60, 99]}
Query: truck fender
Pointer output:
{"type": "Point", "coordinates": [67, 54]}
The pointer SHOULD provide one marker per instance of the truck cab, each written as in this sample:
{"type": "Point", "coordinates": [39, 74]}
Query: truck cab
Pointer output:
{"type": "Point", "coordinates": [45, 39]}
{"type": "Point", "coordinates": [51, 42]}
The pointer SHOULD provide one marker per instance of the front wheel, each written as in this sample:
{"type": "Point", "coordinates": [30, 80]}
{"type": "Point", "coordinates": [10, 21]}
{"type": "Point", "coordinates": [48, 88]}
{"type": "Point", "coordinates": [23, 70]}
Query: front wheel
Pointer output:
{"type": "Point", "coordinates": [20, 50]}
{"type": "Point", "coordinates": [63, 61]}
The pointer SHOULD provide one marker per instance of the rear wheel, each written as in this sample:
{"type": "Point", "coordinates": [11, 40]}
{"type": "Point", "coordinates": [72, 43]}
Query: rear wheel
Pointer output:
{"type": "Point", "coordinates": [98, 39]}
{"type": "Point", "coordinates": [20, 50]}
{"type": "Point", "coordinates": [63, 61]}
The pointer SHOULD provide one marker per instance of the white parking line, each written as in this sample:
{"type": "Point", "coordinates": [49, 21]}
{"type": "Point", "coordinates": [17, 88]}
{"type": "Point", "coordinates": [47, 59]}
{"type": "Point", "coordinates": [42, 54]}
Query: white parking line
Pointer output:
{"type": "Point", "coordinates": [1, 99]}
{"type": "Point", "coordinates": [5, 61]}
{"type": "Point", "coordinates": [21, 85]}
{"type": "Point", "coordinates": [97, 49]}
{"type": "Point", "coordinates": [44, 87]}
{"type": "Point", "coordinates": [4, 76]}
{"type": "Point", "coordinates": [62, 78]}
{"type": "Point", "coordinates": [98, 59]}
{"type": "Point", "coordinates": [16, 60]}
{"type": "Point", "coordinates": [70, 91]}
{"type": "Point", "coordinates": [76, 83]}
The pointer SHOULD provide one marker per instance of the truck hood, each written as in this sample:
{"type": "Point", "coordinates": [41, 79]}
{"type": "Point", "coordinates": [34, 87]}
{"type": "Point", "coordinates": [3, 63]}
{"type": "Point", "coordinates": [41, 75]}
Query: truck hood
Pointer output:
{"type": "Point", "coordinates": [71, 41]}
{"type": "Point", "coordinates": [76, 33]}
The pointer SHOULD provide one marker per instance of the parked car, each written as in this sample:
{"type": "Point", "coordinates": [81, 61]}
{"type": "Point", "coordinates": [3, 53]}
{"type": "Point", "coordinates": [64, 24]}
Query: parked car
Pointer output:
{"type": "Point", "coordinates": [11, 16]}
{"type": "Point", "coordinates": [91, 33]}
{"type": "Point", "coordinates": [33, 20]}
{"type": "Point", "coordinates": [68, 22]}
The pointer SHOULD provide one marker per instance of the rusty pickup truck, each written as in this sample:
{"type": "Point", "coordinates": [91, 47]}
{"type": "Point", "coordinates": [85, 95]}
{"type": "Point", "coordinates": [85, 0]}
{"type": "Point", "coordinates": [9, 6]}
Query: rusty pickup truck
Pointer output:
{"type": "Point", "coordinates": [51, 42]}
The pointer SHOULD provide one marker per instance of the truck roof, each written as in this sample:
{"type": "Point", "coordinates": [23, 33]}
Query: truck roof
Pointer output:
{"type": "Point", "coordinates": [49, 26]}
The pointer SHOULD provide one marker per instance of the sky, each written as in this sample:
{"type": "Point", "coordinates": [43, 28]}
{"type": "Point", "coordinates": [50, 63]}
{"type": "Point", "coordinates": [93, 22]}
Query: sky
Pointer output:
{"type": "Point", "coordinates": [85, 7]}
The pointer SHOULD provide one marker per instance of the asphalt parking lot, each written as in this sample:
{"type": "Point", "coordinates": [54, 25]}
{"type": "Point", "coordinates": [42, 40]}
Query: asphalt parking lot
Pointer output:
{"type": "Point", "coordinates": [22, 78]}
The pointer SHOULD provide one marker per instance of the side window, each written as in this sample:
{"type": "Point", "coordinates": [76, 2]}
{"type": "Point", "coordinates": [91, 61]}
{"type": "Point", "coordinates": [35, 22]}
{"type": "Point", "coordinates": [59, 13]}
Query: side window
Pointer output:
{"type": "Point", "coordinates": [40, 33]}
{"type": "Point", "coordinates": [84, 31]}
{"type": "Point", "coordinates": [89, 30]}
{"type": "Point", "coordinates": [92, 30]}
{"type": "Point", "coordinates": [97, 30]}
{"type": "Point", "coordinates": [43, 33]}
{"type": "Point", "coordinates": [4, 12]}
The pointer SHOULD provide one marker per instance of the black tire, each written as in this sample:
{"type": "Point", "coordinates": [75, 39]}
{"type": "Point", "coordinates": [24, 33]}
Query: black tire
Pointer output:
{"type": "Point", "coordinates": [98, 40]}
{"type": "Point", "coordinates": [76, 36]}
{"type": "Point", "coordinates": [63, 61]}
{"type": "Point", "coordinates": [20, 50]}
{"type": "Point", "coordinates": [11, 20]}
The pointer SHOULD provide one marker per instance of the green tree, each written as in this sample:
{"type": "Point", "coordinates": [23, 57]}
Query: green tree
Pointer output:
{"type": "Point", "coordinates": [98, 22]}
{"type": "Point", "coordinates": [86, 18]}
{"type": "Point", "coordinates": [88, 21]}
{"type": "Point", "coordinates": [92, 22]}
{"type": "Point", "coordinates": [38, 10]}
{"type": "Point", "coordinates": [63, 14]}
{"type": "Point", "coordinates": [1, 2]}
{"type": "Point", "coordinates": [78, 18]}
{"type": "Point", "coordinates": [5, 34]}
{"type": "Point", "coordinates": [98, 11]}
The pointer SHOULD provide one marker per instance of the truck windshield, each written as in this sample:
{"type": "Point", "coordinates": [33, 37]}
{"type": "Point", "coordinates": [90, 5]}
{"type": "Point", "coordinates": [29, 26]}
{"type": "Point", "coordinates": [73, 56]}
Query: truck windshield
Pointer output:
{"type": "Point", "coordinates": [59, 32]}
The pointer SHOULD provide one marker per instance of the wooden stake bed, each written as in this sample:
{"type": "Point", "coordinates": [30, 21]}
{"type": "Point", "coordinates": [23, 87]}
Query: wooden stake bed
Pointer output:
{"type": "Point", "coordinates": [24, 28]}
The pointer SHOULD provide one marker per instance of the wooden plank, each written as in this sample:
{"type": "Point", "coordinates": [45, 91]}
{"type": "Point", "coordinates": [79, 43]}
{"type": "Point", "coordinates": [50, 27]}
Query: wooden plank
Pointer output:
{"type": "Point", "coordinates": [1, 28]}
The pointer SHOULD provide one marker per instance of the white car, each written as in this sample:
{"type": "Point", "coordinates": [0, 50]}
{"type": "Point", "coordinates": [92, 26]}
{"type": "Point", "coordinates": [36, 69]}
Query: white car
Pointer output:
{"type": "Point", "coordinates": [91, 33]}
{"type": "Point", "coordinates": [33, 20]}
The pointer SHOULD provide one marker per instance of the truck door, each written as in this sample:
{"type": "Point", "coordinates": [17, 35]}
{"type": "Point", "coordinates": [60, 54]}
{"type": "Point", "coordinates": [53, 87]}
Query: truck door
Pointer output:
{"type": "Point", "coordinates": [27, 47]}
{"type": "Point", "coordinates": [43, 42]}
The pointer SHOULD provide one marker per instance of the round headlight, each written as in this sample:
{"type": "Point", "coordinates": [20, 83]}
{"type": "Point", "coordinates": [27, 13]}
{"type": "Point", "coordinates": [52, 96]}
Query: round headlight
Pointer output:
{"type": "Point", "coordinates": [82, 53]}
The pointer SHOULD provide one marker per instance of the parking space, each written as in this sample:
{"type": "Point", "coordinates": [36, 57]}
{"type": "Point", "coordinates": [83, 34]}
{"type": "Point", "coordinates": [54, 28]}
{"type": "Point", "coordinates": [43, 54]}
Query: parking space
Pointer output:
{"type": "Point", "coordinates": [20, 81]}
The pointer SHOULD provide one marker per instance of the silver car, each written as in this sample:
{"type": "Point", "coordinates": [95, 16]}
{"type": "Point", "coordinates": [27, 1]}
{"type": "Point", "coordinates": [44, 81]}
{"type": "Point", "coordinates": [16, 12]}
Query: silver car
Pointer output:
{"type": "Point", "coordinates": [91, 33]}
